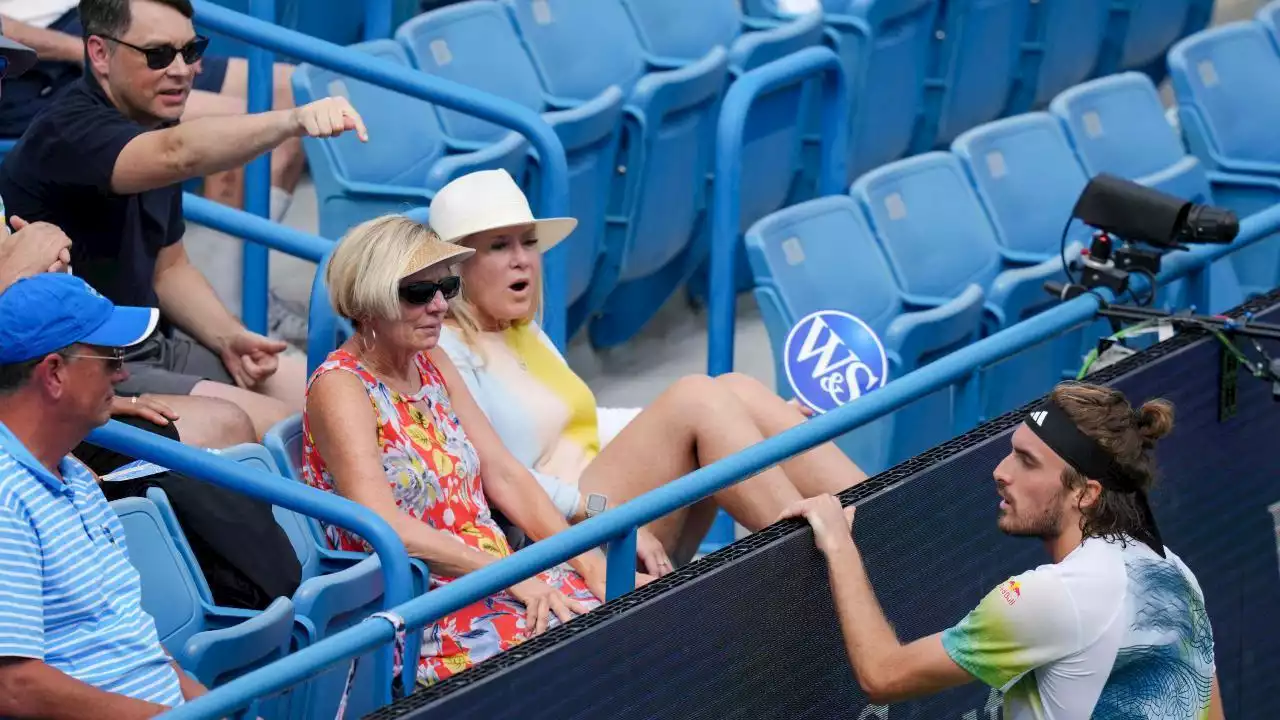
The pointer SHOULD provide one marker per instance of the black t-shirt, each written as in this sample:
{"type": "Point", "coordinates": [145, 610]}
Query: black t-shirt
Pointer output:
{"type": "Point", "coordinates": [60, 172]}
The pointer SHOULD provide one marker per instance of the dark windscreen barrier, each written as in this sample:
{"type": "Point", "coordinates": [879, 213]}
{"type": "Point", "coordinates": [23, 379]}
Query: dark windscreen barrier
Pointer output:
{"type": "Point", "coordinates": [750, 632]}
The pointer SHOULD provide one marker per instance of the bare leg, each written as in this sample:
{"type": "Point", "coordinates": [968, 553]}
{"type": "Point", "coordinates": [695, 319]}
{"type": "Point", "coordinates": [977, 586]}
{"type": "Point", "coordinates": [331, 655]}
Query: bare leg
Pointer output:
{"type": "Point", "coordinates": [696, 422]}
{"type": "Point", "coordinates": [210, 423]}
{"type": "Point", "coordinates": [288, 384]}
{"type": "Point", "coordinates": [824, 469]}
{"type": "Point", "coordinates": [263, 411]}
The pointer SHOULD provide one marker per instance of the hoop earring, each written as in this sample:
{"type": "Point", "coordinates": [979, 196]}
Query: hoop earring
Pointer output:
{"type": "Point", "coordinates": [365, 343]}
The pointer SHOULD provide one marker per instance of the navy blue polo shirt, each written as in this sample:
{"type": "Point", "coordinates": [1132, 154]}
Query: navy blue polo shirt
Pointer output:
{"type": "Point", "coordinates": [60, 172]}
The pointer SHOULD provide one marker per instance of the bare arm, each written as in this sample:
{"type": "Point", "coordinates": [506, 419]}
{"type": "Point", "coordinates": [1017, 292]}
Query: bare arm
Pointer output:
{"type": "Point", "coordinates": [48, 44]}
{"type": "Point", "coordinates": [887, 670]}
{"type": "Point", "coordinates": [343, 426]}
{"type": "Point", "coordinates": [508, 483]}
{"type": "Point", "coordinates": [31, 689]}
{"type": "Point", "coordinates": [205, 146]}
{"type": "Point", "coordinates": [187, 299]}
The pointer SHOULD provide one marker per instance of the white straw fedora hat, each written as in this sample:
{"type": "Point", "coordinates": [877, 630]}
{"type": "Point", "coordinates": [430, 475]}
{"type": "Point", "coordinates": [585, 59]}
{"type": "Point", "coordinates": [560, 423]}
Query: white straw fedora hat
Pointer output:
{"type": "Point", "coordinates": [489, 200]}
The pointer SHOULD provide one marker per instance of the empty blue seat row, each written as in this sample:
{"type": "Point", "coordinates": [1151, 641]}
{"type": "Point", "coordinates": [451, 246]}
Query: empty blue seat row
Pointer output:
{"type": "Point", "coordinates": [637, 123]}
{"type": "Point", "coordinates": [925, 71]}
{"type": "Point", "coordinates": [217, 644]}
{"type": "Point", "coordinates": [987, 221]}
{"type": "Point", "coordinates": [1227, 84]}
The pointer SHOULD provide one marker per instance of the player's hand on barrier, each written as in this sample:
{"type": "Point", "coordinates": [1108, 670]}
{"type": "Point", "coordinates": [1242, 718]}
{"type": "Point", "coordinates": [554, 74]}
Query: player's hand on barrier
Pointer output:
{"type": "Point", "coordinates": [651, 554]}
{"type": "Point", "coordinates": [329, 117]}
{"type": "Point", "coordinates": [540, 600]}
{"type": "Point", "coordinates": [832, 525]}
{"type": "Point", "coordinates": [144, 406]}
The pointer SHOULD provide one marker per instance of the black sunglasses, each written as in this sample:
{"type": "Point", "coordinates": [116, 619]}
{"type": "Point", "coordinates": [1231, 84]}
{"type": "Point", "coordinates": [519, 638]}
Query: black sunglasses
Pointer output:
{"type": "Point", "coordinates": [424, 291]}
{"type": "Point", "coordinates": [161, 56]}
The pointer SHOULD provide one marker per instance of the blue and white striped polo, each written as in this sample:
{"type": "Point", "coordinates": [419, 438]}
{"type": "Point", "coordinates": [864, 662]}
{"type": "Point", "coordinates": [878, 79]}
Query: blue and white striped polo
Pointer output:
{"type": "Point", "coordinates": [69, 596]}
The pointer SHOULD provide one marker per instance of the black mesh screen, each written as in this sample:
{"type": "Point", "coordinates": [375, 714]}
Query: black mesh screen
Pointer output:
{"type": "Point", "coordinates": [749, 632]}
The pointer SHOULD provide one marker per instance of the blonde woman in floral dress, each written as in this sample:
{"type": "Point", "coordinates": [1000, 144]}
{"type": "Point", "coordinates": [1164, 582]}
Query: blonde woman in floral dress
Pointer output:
{"type": "Point", "coordinates": [382, 428]}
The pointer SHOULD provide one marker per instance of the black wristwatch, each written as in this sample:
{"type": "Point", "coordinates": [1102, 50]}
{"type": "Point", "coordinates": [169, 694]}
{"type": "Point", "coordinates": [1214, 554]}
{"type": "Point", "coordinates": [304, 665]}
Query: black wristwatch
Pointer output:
{"type": "Point", "coordinates": [596, 504]}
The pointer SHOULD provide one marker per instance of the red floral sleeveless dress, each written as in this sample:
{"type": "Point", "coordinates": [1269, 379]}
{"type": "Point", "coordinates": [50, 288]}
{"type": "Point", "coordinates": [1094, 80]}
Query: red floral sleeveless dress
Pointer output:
{"type": "Point", "coordinates": [434, 473]}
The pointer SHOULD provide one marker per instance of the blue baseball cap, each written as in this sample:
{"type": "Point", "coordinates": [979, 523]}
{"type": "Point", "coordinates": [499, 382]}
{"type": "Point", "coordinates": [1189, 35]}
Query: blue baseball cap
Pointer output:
{"type": "Point", "coordinates": [48, 312]}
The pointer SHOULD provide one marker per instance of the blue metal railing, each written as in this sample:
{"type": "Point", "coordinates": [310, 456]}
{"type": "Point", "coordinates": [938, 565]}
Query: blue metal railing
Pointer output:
{"type": "Point", "coordinates": [211, 468]}
{"type": "Point", "coordinates": [377, 19]}
{"type": "Point", "coordinates": [699, 484]}
{"type": "Point", "coordinates": [257, 230]}
{"type": "Point", "coordinates": [554, 169]}
{"type": "Point", "coordinates": [727, 188]}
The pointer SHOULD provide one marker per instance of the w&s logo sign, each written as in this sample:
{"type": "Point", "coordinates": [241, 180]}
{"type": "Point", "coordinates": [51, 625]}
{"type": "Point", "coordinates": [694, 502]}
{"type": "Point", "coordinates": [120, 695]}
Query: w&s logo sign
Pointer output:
{"type": "Point", "coordinates": [832, 358]}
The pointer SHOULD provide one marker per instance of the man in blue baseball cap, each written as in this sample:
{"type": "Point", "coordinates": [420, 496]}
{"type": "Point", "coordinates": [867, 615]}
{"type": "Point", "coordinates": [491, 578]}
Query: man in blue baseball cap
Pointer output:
{"type": "Point", "coordinates": [74, 634]}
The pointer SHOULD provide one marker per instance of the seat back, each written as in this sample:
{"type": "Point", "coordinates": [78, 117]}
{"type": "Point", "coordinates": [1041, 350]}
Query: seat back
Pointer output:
{"type": "Point", "coordinates": [1117, 125]}
{"type": "Point", "coordinates": [475, 44]}
{"type": "Point", "coordinates": [1063, 42]}
{"type": "Point", "coordinates": [678, 29]}
{"type": "Point", "coordinates": [1028, 178]}
{"type": "Point", "coordinates": [1227, 82]}
{"type": "Point", "coordinates": [170, 593]}
{"type": "Point", "coordinates": [561, 35]}
{"type": "Point", "coordinates": [284, 442]}
{"type": "Point", "coordinates": [404, 133]}
{"type": "Point", "coordinates": [977, 58]}
{"type": "Point", "coordinates": [930, 225]}
{"type": "Point", "coordinates": [890, 90]}
{"type": "Point", "coordinates": [1144, 36]}
{"type": "Point", "coordinates": [1269, 16]}
{"type": "Point", "coordinates": [295, 526]}
{"type": "Point", "coordinates": [800, 260]}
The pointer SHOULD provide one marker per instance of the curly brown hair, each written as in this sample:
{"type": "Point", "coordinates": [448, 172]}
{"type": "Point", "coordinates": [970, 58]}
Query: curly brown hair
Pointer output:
{"type": "Point", "coordinates": [1129, 435]}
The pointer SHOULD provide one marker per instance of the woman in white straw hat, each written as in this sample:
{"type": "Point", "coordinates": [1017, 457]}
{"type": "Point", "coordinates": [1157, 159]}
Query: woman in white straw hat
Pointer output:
{"type": "Point", "coordinates": [382, 428]}
{"type": "Point", "coordinates": [590, 458]}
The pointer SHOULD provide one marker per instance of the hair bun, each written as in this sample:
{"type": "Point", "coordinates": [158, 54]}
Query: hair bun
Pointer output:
{"type": "Point", "coordinates": [1155, 420]}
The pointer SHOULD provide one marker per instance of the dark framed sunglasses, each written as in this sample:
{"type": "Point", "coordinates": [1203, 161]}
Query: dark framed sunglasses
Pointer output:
{"type": "Point", "coordinates": [161, 56]}
{"type": "Point", "coordinates": [115, 361]}
{"type": "Point", "coordinates": [424, 291]}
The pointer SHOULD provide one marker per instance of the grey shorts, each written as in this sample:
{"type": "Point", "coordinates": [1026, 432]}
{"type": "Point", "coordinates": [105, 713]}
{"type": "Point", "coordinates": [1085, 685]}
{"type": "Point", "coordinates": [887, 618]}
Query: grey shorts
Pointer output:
{"type": "Point", "coordinates": [171, 366]}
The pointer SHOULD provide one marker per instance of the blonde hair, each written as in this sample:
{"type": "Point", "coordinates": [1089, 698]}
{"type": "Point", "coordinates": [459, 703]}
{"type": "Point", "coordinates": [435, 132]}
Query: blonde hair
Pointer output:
{"type": "Point", "coordinates": [365, 268]}
{"type": "Point", "coordinates": [467, 316]}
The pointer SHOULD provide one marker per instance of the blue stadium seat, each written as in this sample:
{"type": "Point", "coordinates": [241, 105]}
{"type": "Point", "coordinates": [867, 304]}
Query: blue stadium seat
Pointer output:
{"type": "Point", "coordinates": [675, 33]}
{"type": "Point", "coordinates": [213, 644]}
{"type": "Point", "coordinates": [1117, 125]}
{"type": "Point", "coordinates": [658, 200]}
{"type": "Point", "coordinates": [1227, 82]}
{"type": "Point", "coordinates": [406, 159]}
{"type": "Point", "coordinates": [939, 242]}
{"type": "Point", "coordinates": [338, 589]}
{"type": "Point", "coordinates": [972, 66]}
{"type": "Point", "coordinates": [889, 87]}
{"type": "Point", "coordinates": [1063, 40]}
{"type": "Point", "coordinates": [1028, 179]}
{"type": "Point", "coordinates": [821, 255]}
{"type": "Point", "coordinates": [1269, 15]}
{"type": "Point", "coordinates": [1139, 32]}
{"type": "Point", "coordinates": [475, 44]}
